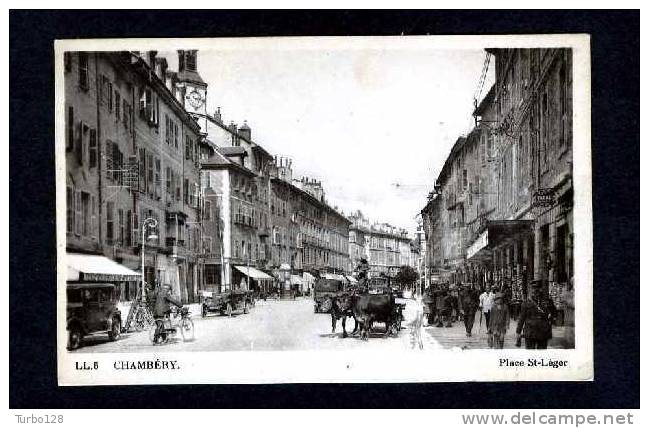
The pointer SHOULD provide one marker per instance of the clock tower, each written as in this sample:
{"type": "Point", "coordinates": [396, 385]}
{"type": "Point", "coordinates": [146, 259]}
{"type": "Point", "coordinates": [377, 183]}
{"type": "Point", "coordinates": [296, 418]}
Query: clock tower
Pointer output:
{"type": "Point", "coordinates": [192, 88]}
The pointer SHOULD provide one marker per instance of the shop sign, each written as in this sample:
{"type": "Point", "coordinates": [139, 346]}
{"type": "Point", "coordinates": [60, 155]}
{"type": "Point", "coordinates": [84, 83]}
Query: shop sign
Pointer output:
{"type": "Point", "coordinates": [478, 244]}
{"type": "Point", "coordinates": [208, 255]}
{"type": "Point", "coordinates": [543, 197]}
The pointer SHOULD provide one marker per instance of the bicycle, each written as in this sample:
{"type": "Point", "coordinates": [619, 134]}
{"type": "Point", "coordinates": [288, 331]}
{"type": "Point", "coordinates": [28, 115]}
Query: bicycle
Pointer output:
{"type": "Point", "coordinates": [164, 328]}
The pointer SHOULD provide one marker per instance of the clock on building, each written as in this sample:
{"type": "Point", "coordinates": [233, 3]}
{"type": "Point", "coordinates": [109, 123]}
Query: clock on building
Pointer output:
{"type": "Point", "coordinates": [196, 99]}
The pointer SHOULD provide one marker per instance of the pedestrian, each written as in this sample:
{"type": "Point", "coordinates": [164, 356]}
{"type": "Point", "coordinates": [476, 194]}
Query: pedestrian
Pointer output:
{"type": "Point", "coordinates": [498, 322]}
{"type": "Point", "coordinates": [428, 302]}
{"type": "Point", "coordinates": [447, 312]}
{"type": "Point", "coordinates": [535, 320]}
{"type": "Point", "coordinates": [569, 317]}
{"type": "Point", "coordinates": [440, 295]}
{"type": "Point", "coordinates": [486, 301]}
{"type": "Point", "coordinates": [416, 324]}
{"type": "Point", "coordinates": [469, 301]}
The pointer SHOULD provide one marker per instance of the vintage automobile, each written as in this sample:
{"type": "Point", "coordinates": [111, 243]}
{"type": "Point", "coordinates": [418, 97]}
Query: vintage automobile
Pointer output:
{"type": "Point", "coordinates": [226, 303]}
{"type": "Point", "coordinates": [92, 309]}
{"type": "Point", "coordinates": [323, 291]}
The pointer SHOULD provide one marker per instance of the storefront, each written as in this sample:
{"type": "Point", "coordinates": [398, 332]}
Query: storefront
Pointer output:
{"type": "Point", "coordinates": [249, 278]}
{"type": "Point", "coordinates": [98, 268]}
{"type": "Point", "coordinates": [502, 255]}
{"type": "Point", "coordinates": [555, 242]}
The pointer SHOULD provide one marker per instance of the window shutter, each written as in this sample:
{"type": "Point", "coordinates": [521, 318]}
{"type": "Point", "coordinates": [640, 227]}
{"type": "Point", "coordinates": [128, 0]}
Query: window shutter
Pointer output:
{"type": "Point", "coordinates": [77, 212]}
{"type": "Point", "coordinates": [93, 148]}
{"type": "Point", "coordinates": [136, 229]}
{"type": "Point", "coordinates": [118, 105]}
{"type": "Point", "coordinates": [116, 162]}
{"type": "Point", "coordinates": [108, 154]}
{"type": "Point", "coordinates": [93, 218]}
{"type": "Point", "coordinates": [142, 102]}
{"type": "Point", "coordinates": [79, 143]}
{"type": "Point", "coordinates": [70, 137]}
{"type": "Point", "coordinates": [142, 181]}
{"type": "Point", "coordinates": [70, 208]}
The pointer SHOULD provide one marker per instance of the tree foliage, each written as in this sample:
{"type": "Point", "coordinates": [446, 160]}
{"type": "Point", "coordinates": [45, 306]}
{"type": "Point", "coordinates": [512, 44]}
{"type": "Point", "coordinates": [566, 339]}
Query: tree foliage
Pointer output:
{"type": "Point", "coordinates": [407, 275]}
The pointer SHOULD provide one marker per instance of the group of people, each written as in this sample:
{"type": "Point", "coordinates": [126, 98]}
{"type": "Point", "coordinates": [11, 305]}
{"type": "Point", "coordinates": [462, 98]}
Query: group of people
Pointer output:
{"type": "Point", "coordinates": [445, 303]}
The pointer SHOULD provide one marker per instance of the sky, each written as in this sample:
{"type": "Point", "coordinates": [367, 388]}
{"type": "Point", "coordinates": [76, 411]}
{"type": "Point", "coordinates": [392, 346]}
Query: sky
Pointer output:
{"type": "Point", "coordinates": [373, 124]}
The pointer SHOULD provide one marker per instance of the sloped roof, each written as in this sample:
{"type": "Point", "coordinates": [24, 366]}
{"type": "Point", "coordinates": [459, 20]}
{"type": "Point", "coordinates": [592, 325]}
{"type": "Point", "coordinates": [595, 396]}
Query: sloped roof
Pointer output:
{"type": "Point", "coordinates": [190, 76]}
{"type": "Point", "coordinates": [233, 151]}
{"type": "Point", "coordinates": [217, 159]}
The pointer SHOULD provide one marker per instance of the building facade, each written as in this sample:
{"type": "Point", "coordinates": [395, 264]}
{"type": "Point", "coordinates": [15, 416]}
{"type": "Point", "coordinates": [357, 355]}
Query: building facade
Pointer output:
{"type": "Point", "coordinates": [385, 247]}
{"type": "Point", "coordinates": [131, 155]}
{"type": "Point", "coordinates": [501, 209]}
{"type": "Point", "coordinates": [255, 215]}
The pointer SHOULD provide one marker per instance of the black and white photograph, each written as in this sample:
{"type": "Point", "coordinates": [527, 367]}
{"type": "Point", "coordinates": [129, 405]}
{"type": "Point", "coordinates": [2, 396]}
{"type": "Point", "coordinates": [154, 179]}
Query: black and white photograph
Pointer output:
{"type": "Point", "coordinates": [311, 209]}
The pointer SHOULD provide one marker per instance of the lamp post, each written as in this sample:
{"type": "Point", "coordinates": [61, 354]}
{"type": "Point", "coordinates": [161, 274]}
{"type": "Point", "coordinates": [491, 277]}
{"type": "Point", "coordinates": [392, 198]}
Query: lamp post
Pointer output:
{"type": "Point", "coordinates": [152, 223]}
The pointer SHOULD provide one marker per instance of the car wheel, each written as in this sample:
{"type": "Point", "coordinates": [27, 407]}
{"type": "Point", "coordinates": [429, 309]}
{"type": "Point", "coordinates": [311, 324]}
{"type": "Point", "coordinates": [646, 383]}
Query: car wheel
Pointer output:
{"type": "Point", "coordinates": [115, 330]}
{"type": "Point", "coordinates": [74, 337]}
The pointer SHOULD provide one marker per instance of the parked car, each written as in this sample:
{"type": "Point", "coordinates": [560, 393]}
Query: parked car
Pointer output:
{"type": "Point", "coordinates": [92, 309]}
{"type": "Point", "coordinates": [226, 303]}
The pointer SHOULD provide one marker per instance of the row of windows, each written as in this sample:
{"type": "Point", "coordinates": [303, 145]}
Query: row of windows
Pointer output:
{"type": "Point", "coordinates": [150, 181]}
{"type": "Point", "coordinates": [81, 139]}
{"type": "Point", "coordinates": [113, 100]}
{"type": "Point", "coordinates": [81, 212]}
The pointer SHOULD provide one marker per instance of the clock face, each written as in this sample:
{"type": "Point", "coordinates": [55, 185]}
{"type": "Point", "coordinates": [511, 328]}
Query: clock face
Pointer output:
{"type": "Point", "coordinates": [195, 99]}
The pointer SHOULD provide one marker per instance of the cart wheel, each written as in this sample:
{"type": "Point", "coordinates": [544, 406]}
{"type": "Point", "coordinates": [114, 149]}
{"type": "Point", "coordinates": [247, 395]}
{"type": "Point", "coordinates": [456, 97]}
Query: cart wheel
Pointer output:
{"type": "Point", "coordinates": [245, 307]}
{"type": "Point", "coordinates": [187, 329]}
{"type": "Point", "coordinates": [74, 337]}
{"type": "Point", "coordinates": [115, 330]}
{"type": "Point", "coordinates": [228, 310]}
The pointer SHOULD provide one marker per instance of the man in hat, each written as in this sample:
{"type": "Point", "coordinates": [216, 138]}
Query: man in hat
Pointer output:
{"type": "Point", "coordinates": [498, 322]}
{"type": "Point", "coordinates": [535, 320]}
{"type": "Point", "coordinates": [469, 302]}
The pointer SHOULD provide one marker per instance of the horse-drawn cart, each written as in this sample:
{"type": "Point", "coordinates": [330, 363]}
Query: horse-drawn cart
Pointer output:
{"type": "Point", "coordinates": [324, 291]}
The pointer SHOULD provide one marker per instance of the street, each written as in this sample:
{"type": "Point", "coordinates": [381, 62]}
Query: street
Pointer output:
{"type": "Point", "coordinates": [273, 325]}
{"type": "Point", "coordinates": [283, 325]}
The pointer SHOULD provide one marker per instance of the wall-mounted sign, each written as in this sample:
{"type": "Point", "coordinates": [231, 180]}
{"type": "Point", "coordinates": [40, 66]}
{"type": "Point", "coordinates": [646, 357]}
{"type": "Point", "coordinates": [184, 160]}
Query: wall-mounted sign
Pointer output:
{"type": "Point", "coordinates": [543, 197]}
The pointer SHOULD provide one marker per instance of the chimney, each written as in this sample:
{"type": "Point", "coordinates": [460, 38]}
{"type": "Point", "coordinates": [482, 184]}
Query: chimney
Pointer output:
{"type": "Point", "coordinates": [233, 127]}
{"type": "Point", "coordinates": [245, 131]}
{"type": "Point", "coordinates": [217, 115]}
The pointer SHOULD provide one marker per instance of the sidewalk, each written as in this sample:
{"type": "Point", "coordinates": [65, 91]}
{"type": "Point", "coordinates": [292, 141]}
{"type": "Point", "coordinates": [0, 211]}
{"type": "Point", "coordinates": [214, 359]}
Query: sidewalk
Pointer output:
{"type": "Point", "coordinates": [455, 336]}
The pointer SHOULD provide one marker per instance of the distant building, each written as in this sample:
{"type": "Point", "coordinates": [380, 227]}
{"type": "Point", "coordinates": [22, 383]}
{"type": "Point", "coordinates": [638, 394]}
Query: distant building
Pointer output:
{"type": "Point", "coordinates": [256, 218]}
{"type": "Point", "coordinates": [385, 247]}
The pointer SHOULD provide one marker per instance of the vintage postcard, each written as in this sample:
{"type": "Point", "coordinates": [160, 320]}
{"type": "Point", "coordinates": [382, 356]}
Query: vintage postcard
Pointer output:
{"type": "Point", "coordinates": [330, 209]}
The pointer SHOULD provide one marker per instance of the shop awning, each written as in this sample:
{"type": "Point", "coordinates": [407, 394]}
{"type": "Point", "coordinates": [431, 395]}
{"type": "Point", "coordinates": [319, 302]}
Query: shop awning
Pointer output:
{"type": "Point", "coordinates": [335, 276]}
{"type": "Point", "coordinates": [89, 267]}
{"type": "Point", "coordinates": [496, 233]}
{"type": "Point", "coordinates": [252, 272]}
{"type": "Point", "coordinates": [296, 279]}
{"type": "Point", "coordinates": [308, 278]}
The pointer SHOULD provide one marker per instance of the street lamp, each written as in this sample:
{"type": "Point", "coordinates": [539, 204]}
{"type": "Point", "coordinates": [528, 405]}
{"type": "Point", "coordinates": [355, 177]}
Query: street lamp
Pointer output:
{"type": "Point", "coordinates": [151, 223]}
